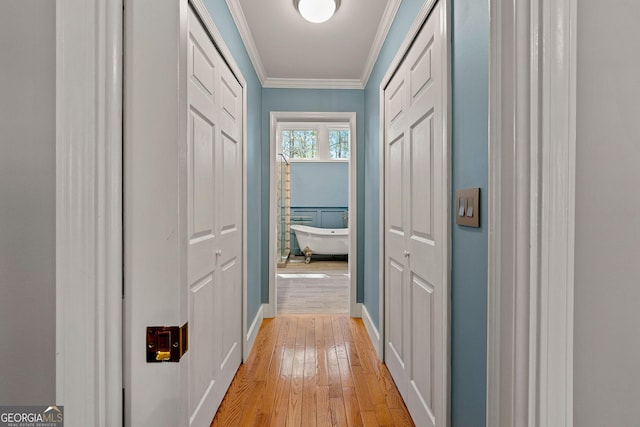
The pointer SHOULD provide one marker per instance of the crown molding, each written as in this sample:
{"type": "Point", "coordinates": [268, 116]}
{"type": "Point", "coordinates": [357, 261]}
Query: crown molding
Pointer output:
{"type": "Point", "coordinates": [274, 82]}
{"type": "Point", "coordinates": [381, 35]}
{"type": "Point", "coordinates": [313, 83]}
{"type": "Point", "coordinates": [247, 38]}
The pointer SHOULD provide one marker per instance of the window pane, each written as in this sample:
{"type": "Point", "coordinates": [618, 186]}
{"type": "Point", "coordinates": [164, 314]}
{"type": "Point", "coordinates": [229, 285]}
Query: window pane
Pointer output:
{"type": "Point", "coordinates": [300, 143]}
{"type": "Point", "coordinates": [339, 144]}
{"type": "Point", "coordinates": [286, 143]}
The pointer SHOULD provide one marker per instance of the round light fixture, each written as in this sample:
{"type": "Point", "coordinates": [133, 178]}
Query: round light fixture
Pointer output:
{"type": "Point", "coordinates": [317, 11]}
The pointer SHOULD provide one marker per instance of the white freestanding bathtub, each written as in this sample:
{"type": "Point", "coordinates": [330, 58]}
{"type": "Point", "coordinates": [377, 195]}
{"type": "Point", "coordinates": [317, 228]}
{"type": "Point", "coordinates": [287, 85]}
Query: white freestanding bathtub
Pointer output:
{"type": "Point", "coordinates": [322, 241]}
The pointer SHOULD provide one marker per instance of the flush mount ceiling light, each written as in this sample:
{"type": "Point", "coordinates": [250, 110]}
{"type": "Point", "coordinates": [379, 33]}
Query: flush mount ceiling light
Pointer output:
{"type": "Point", "coordinates": [317, 11]}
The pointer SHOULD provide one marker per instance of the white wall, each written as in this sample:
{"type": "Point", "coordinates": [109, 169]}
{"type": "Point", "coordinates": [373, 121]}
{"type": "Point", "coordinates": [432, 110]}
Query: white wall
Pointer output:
{"type": "Point", "coordinates": [607, 272]}
{"type": "Point", "coordinates": [27, 202]}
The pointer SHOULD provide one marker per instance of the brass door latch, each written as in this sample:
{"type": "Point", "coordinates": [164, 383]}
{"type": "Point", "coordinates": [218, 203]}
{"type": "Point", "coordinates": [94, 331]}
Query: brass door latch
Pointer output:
{"type": "Point", "coordinates": [167, 343]}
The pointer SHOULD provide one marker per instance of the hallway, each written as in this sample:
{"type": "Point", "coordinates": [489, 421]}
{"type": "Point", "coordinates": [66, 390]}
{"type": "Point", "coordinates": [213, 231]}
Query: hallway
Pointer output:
{"type": "Point", "coordinates": [312, 370]}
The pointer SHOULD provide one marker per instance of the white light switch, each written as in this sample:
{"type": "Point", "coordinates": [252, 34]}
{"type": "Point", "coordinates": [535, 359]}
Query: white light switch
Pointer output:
{"type": "Point", "coordinates": [460, 206]}
{"type": "Point", "coordinates": [468, 208]}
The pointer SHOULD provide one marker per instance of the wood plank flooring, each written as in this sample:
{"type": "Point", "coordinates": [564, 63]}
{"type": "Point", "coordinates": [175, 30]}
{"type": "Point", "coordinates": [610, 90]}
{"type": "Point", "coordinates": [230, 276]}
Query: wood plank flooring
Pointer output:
{"type": "Point", "coordinates": [297, 265]}
{"type": "Point", "coordinates": [318, 287]}
{"type": "Point", "coordinates": [312, 371]}
{"type": "Point", "coordinates": [313, 293]}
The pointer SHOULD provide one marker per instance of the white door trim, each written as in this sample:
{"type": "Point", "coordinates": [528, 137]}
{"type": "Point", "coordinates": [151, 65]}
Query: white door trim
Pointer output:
{"type": "Point", "coordinates": [284, 116]}
{"type": "Point", "coordinates": [421, 18]}
{"type": "Point", "coordinates": [89, 211]}
{"type": "Point", "coordinates": [532, 105]}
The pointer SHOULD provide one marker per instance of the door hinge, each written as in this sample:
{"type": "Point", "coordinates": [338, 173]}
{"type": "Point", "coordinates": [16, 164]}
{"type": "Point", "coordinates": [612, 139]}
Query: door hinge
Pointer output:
{"type": "Point", "coordinates": [167, 343]}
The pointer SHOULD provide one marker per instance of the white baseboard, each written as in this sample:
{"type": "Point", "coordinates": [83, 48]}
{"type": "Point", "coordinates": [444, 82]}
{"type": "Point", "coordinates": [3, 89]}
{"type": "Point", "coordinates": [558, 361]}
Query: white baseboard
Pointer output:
{"type": "Point", "coordinates": [269, 310]}
{"type": "Point", "coordinates": [252, 333]}
{"type": "Point", "coordinates": [374, 334]}
{"type": "Point", "coordinates": [356, 310]}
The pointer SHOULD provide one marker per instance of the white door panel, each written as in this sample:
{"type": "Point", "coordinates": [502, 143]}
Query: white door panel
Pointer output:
{"type": "Point", "coordinates": [421, 382]}
{"type": "Point", "coordinates": [200, 182]}
{"type": "Point", "coordinates": [215, 227]}
{"type": "Point", "coordinates": [395, 104]}
{"type": "Point", "coordinates": [420, 179]}
{"type": "Point", "coordinates": [230, 315]}
{"type": "Point", "coordinates": [420, 61]}
{"type": "Point", "coordinates": [396, 183]}
{"type": "Point", "coordinates": [416, 226]}
{"type": "Point", "coordinates": [202, 273]}
{"type": "Point", "coordinates": [231, 185]}
{"type": "Point", "coordinates": [201, 298]}
{"type": "Point", "coordinates": [395, 324]}
{"type": "Point", "coordinates": [396, 291]}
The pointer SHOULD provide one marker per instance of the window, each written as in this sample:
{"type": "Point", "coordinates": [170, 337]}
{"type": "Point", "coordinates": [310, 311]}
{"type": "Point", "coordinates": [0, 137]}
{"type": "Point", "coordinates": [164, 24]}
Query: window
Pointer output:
{"type": "Point", "coordinates": [339, 143]}
{"type": "Point", "coordinates": [315, 141]}
{"type": "Point", "coordinates": [300, 143]}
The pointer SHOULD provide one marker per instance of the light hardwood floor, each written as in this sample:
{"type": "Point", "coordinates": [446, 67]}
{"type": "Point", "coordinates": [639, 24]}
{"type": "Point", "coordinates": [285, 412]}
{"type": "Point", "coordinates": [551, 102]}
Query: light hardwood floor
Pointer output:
{"type": "Point", "coordinates": [312, 370]}
{"type": "Point", "coordinates": [302, 291]}
{"type": "Point", "coordinates": [297, 265]}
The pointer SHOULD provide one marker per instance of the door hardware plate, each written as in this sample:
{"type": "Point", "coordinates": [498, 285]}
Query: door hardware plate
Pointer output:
{"type": "Point", "coordinates": [166, 343]}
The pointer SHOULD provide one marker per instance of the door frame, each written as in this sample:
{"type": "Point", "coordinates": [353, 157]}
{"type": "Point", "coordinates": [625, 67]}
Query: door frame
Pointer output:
{"type": "Point", "coordinates": [89, 192]}
{"type": "Point", "coordinates": [89, 211]}
{"type": "Point", "coordinates": [276, 117]}
{"type": "Point", "coordinates": [532, 152]}
{"type": "Point", "coordinates": [378, 337]}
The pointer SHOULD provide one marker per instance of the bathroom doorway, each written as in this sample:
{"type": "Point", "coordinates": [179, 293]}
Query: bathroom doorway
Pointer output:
{"type": "Point", "coordinates": [312, 240]}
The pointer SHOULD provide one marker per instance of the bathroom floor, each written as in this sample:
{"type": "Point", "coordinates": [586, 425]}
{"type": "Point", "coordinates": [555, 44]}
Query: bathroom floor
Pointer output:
{"type": "Point", "coordinates": [318, 287]}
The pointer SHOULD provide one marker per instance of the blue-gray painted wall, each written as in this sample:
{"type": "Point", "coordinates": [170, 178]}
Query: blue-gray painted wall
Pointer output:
{"type": "Point", "coordinates": [469, 40]}
{"type": "Point", "coordinates": [319, 184]}
{"type": "Point", "coordinates": [469, 251]}
{"type": "Point", "coordinates": [255, 233]}
{"type": "Point", "coordinates": [315, 100]}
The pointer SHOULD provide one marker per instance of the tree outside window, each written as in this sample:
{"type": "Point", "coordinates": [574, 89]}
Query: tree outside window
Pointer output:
{"type": "Point", "coordinates": [300, 143]}
{"type": "Point", "coordinates": [339, 144]}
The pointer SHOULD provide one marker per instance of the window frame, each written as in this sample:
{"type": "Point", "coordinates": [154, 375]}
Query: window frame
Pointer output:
{"type": "Point", "coordinates": [322, 134]}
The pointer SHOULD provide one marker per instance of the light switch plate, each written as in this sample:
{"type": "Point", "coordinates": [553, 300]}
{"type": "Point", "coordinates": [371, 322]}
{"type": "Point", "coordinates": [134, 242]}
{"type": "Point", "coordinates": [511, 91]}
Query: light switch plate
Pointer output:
{"type": "Point", "coordinates": [468, 207]}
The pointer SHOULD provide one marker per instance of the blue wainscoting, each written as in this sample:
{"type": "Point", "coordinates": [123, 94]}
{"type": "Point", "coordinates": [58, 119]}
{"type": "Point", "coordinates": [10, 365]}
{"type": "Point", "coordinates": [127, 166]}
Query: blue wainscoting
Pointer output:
{"type": "Point", "coordinates": [321, 217]}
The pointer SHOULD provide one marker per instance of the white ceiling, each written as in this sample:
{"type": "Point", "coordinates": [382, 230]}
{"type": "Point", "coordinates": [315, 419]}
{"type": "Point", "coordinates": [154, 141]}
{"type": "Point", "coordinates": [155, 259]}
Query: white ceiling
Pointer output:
{"type": "Point", "coordinates": [288, 51]}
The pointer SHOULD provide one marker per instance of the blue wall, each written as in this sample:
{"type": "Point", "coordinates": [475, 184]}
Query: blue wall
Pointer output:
{"type": "Point", "coordinates": [319, 184]}
{"type": "Point", "coordinates": [255, 257]}
{"type": "Point", "coordinates": [320, 194]}
{"type": "Point", "coordinates": [470, 34]}
{"type": "Point", "coordinates": [315, 100]}
{"type": "Point", "coordinates": [469, 262]}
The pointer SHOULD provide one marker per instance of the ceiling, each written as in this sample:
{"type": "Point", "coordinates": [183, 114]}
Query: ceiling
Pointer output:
{"type": "Point", "coordinates": [288, 51]}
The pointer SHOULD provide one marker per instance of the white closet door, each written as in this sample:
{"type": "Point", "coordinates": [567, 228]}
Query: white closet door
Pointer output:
{"type": "Point", "coordinates": [214, 181]}
{"type": "Point", "coordinates": [396, 206]}
{"type": "Point", "coordinates": [416, 180]}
